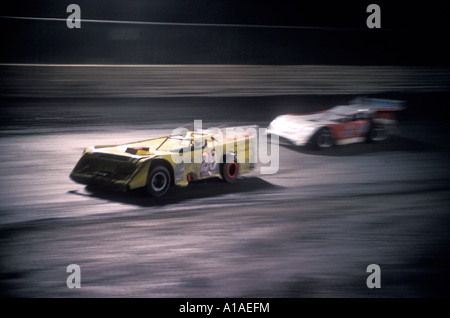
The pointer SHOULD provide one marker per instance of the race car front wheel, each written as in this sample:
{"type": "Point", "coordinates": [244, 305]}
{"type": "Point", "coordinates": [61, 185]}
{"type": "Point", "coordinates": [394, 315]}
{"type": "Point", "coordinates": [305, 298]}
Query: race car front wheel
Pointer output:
{"type": "Point", "coordinates": [322, 139]}
{"type": "Point", "coordinates": [229, 171]}
{"type": "Point", "coordinates": [158, 181]}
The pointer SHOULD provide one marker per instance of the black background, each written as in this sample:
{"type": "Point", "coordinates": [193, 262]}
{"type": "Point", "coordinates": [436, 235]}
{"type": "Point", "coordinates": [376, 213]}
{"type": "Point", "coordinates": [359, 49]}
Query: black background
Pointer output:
{"type": "Point", "coordinates": [332, 32]}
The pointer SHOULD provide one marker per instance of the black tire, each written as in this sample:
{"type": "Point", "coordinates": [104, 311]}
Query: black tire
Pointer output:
{"type": "Point", "coordinates": [229, 171]}
{"type": "Point", "coordinates": [377, 133]}
{"type": "Point", "coordinates": [322, 139]}
{"type": "Point", "coordinates": [158, 181]}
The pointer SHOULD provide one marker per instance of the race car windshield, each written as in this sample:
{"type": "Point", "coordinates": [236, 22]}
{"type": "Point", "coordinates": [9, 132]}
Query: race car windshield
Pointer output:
{"type": "Point", "coordinates": [337, 113]}
{"type": "Point", "coordinates": [330, 116]}
{"type": "Point", "coordinates": [172, 143]}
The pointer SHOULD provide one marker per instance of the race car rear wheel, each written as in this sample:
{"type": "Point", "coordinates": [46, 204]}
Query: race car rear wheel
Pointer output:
{"type": "Point", "coordinates": [322, 139]}
{"type": "Point", "coordinates": [229, 171]}
{"type": "Point", "coordinates": [377, 133]}
{"type": "Point", "coordinates": [158, 181]}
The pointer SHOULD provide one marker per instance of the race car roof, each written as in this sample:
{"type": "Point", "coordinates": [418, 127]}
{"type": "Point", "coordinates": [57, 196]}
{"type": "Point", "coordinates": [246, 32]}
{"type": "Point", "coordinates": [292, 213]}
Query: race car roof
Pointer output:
{"type": "Point", "coordinates": [367, 106]}
{"type": "Point", "coordinates": [379, 104]}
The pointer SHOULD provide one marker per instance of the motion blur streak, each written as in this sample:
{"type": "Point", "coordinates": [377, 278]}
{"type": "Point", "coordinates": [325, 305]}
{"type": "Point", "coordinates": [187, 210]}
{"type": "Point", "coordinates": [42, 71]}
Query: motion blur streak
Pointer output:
{"type": "Point", "coordinates": [213, 25]}
{"type": "Point", "coordinates": [309, 230]}
{"type": "Point", "coordinates": [93, 81]}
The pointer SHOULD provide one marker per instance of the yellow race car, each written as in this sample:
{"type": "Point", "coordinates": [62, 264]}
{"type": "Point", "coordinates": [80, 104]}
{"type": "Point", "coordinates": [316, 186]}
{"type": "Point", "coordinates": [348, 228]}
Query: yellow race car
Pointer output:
{"type": "Point", "coordinates": [157, 164]}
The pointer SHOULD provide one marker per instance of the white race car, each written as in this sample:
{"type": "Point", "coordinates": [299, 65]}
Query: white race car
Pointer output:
{"type": "Point", "coordinates": [361, 120]}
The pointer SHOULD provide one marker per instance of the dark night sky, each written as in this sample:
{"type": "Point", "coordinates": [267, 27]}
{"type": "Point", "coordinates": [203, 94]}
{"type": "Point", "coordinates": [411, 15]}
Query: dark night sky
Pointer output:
{"type": "Point", "coordinates": [336, 33]}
